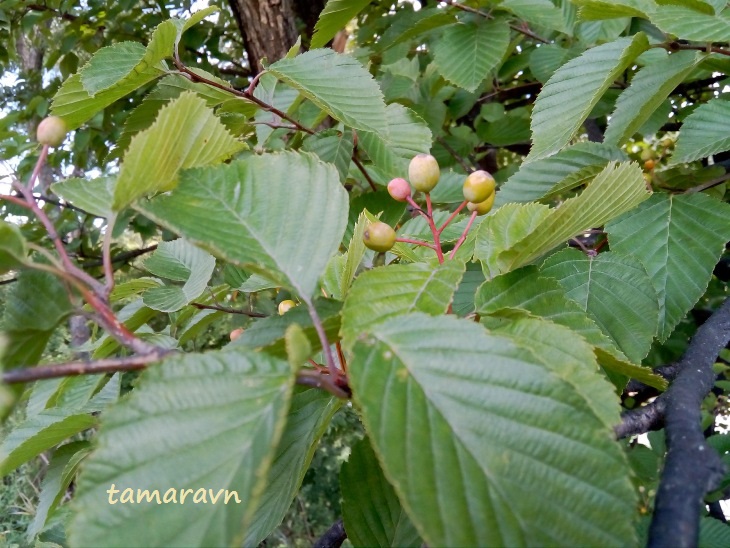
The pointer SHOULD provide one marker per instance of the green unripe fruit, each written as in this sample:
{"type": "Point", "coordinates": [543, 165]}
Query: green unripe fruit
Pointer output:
{"type": "Point", "coordinates": [51, 131]}
{"type": "Point", "coordinates": [482, 207]}
{"type": "Point", "coordinates": [423, 172]}
{"type": "Point", "coordinates": [648, 154]}
{"type": "Point", "coordinates": [399, 189]}
{"type": "Point", "coordinates": [285, 306]}
{"type": "Point", "coordinates": [478, 186]}
{"type": "Point", "coordinates": [379, 237]}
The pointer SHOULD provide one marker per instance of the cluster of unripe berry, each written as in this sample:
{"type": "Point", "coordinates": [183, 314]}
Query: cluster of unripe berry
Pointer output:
{"type": "Point", "coordinates": [423, 173]}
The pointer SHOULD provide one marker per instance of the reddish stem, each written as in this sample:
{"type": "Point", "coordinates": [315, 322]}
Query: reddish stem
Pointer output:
{"type": "Point", "coordinates": [434, 231]}
{"type": "Point", "coordinates": [451, 217]}
{"type": "Point", "coordinates": [38, 167]}
{"type": "Point", "coordinates": [463, 235]}
{"type": "Point", "coordinates": [415, 242]}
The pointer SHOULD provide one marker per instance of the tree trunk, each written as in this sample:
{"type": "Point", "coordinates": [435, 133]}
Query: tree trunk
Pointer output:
{"type": "Point", "coordinates": [270, 27]}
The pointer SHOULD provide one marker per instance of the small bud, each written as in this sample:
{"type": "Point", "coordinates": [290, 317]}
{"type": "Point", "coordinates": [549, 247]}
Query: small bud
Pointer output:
{"type": "Point", "coordinates": [399, 189]}
{"type": "Point", "coordinates": [424, 173]}
{"type": "Point", "coordinates": [51, 131]}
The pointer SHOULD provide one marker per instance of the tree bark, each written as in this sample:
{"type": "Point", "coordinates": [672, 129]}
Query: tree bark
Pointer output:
{"type": "Point", "coordinates": [270, 27]}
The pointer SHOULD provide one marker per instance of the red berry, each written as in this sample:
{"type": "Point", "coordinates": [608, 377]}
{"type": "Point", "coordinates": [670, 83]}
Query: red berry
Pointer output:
{"type": "Point", "coordinates": [399, 189]}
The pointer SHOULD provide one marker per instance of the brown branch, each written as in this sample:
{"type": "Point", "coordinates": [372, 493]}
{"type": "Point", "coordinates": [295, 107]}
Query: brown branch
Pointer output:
{"type": "Point", "coordinates": [249, 313]}
{"type": "Point", "coordinates": [676, 46]}
{"type": "Point", "coordinates": [709, 184]}
{"type": "Point", "coordinates": [362, 169]}
{"type": "Point", "coordinates": [523, 30]}
{"type": "Point", "coordinates": [455, 155]}
{"type": "Point", "coordinates": [111, 365]}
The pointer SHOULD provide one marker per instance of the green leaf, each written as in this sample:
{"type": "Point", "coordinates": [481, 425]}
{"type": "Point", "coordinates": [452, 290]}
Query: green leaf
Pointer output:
{"type": "Point", "coordinates": [94, 196]}
{"type": "Point", "coordinates": [463, 304]}
{"type": "Point", "coordinates": [35, 305]}
{"type": "Point", "coordinates": [170, 87]}
{"type": "Point", "coordinates": [405, 136]}
{"type": "Point", "coordinates": [355, 253]}
{"type": "Point", "coordinates": [268, 334]}
{"type": "Point", "coordinates": [335, 15]}
{"type": "Point", "coordinates": [74, 104]}
{"type": "Point", "coordinates": [567, 99]}
{"type": "Point", "coordinates": [537, 12]}
{"type": "Point", "coordinates": [617, 189]}
{"type": "Point", "coordinates": [495, 419]}
{"type": "Point", "coordinates": [332, 146]}
{"type": "Point", "coordinates": [616, 292]}
{"type": "Point", "coordinates": [466, 53]}
{"type": "Point", "coordinates": [679, 239]}
{"type": "Point", "coordinates": [648, 90]}
{"type": "Point", "coordinates": [39, 433]}
{"type": "Point", "coordinates": [409, 25]}
{"type": "Point", "coordinates": [180, 261]}
{"type": "Point", "coordinates": [109, 65]}
{"type": "Point", "coordinates": [338, 84]}
{"type": "Point", "coordinates": [524, 293]}
{"type": "Point", "coordinates": [689, 24]}
{"type": "Point", "coordinates": [603, 9]}
{"type": "Point", "coordinates": [713, 533]}
{"type": "Point", "coordinates": [536, 179]}
{"type": "Point", "coordinates": [398, 289]}
{"type": "Point", "coordinates": [502, 230]}
{"type": "Point", "coordinates": [211, 424]}
{"type": "Point", "coordinates": [704, 132]}
{"type": "Point", "coordinates": [58, 477]}
{"type": "Point", "coordinates": [186, 134]}
{"type": "Point", "coordinates": [546, 59]}
{"type": "Point", "coordinates": [12, 247]}
{"type": "Point", "coordinates": [260, 219]}
{"type": "Point", "coordinates": [570, 357]}
{"type": "Point", "coordinates": [371, 511]}
{"type": "Point", "coordinates": [309, 415]}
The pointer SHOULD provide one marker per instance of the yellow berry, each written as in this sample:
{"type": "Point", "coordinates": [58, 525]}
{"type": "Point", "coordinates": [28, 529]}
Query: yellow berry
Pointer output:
{"type": "Point", "coordinates": [478, 186]}
{"type": "Point", "coordinates": [482, 207]}
{"type": "Point", "coordinates": [51, 131]}
{"type": "Point", "coordinates": [423, 172]}
{"type": "Point", "coordinates": [285, 306]}
{"type": "Point", "coordinates": [379, 237]}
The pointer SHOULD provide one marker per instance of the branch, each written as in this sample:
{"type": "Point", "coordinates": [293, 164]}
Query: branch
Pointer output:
{"type": "Point", "coordinates": [201, 306]}
{"type": "Point", "coordinates": [333, 537]}
{"type": "Point", "coordinates": [692, 468]}
{"type": "Point", "coordinates": [522, 29]}
{"type": "Point", "coordinates": [111, 365]}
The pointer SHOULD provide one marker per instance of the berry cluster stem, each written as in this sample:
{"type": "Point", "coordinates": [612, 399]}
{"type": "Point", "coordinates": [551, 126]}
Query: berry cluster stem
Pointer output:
{"type": "Point", "coordinates": [463, 234]}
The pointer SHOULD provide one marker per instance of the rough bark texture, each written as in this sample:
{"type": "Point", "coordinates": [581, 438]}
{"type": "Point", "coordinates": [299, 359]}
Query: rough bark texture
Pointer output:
{"type": "Point", "coordinates": [270, 27]}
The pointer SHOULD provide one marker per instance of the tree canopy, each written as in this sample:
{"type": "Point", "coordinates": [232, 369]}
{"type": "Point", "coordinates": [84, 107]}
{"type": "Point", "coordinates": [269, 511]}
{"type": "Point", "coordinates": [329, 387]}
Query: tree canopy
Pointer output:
{"type": "Point", "coordinates": [494, 231]}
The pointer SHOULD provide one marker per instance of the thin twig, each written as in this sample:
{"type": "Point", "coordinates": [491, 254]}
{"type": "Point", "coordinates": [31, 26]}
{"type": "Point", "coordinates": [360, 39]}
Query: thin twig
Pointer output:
{"type": "Point", "coordinates": [362, 169]}
{"type": "Point", "coordinates": [110, 365]}
{"type": "Point", "coordinates": [675, 46]}
{"type": "Point", "coordinates": [434, 231]}
{"type": "Point", "coordinates": [525, 31]}
{"type": "Point", "coordinates": [415, 242]}
{"type": "Point", "coordinates": [326, 348]}
{"type": "Point", "coordinates": [709, 184]}
{"type": "Point", "coordinates": [455, 155]}
{"type": "Point", "coordinates": [248, 313]}
{"type": "Point", "coordinates": [451, 217]}
{"type": "Point", "coordinates": [106, 254]}
{"type": "Point", "coordinates": [38, 167]}
{"type": "Point", "coordinates": [464, 234]}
